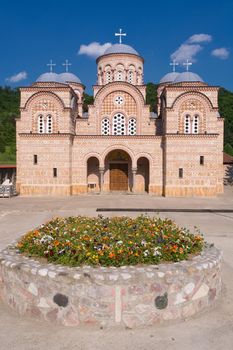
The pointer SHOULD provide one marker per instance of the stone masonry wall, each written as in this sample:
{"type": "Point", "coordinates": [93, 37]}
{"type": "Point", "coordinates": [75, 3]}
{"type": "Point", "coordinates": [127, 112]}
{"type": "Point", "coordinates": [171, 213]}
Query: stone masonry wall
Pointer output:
{"type": "Point", "coordinates": [130, 297]}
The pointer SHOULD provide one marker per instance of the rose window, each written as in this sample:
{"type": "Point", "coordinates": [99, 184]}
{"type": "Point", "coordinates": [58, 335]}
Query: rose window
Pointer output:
{"type": "Point", "coordinates": [119, 100]}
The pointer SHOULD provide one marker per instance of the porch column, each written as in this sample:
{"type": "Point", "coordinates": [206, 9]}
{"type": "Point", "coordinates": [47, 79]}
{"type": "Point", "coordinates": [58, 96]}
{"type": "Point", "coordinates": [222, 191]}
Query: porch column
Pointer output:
{"type": "Point", "coordinates": [101, 170]}
{"type": "Point", "coordinates": [134, 170]}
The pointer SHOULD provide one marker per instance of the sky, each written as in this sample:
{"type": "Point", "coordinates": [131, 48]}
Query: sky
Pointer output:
{"type": "Point", "coordinates": [33, 32]}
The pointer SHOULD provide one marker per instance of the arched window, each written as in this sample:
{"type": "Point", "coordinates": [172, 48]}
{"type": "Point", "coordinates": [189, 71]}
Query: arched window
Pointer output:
{"type": "Point", "coordinates": [118, 127]}
{"type": "Point", "coordinates": [105, 126]}
{"type": "Point", "coordinates": [119, 75]}
{"type": "Point", "coordinates": [131, 77]}
{"type": "Point", "coordinates": [187, 124]}
{"type": "Point", "coordinates": [49, 124]}
{"type": "Point", "coordinates": [41, 124]}
{"type": "Point", "coordinates": [132, 126]}
{"type": "Point", "coordinates": [108, 76]}
{"type": "Point", "coordinates": [195, 125]}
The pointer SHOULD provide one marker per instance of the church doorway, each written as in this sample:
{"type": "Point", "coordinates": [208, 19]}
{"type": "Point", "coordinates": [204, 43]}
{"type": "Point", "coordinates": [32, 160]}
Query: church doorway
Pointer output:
{"type": "Point", "coordinates": [118, 164]}
{"type": "Point", "coordinates": [118, 177]}
{"type": "Point", "coordinates": [143, 174]}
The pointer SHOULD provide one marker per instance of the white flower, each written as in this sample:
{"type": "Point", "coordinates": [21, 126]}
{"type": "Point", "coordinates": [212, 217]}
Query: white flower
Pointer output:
{"type": "Point", "coordinates": [119, 242]}
{"type": "Point", "coordinates": [46, 239]}
{"type": "Point", "coordinates": [156, 251]}
{"type": "Point", "coordinates": [143, 243]}
{"type": "Point", "coordinates": [146, 253]}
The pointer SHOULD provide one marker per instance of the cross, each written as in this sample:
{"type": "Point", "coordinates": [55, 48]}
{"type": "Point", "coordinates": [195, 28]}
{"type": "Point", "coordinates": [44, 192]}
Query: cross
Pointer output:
{"type": "Point", "coordinates": [174, 64]}
{"type": "Point", "coordinates": [120, 35]}
{"type": "Point", "coordinates": [187, 64]}
{"type": "Point", "coordinates": [67, 64]}
{"type": "Point", "coordinates": [51, 64]}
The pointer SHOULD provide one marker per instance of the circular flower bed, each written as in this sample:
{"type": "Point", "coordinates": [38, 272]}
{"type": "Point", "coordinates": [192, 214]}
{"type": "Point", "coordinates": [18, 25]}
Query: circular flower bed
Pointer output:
{"type": "Point", "coordinates": [117, 241]}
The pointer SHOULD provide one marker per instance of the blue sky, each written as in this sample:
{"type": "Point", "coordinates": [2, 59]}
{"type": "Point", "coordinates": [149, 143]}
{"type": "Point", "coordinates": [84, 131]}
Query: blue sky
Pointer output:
{"type": "Point", "coordinates": [33, 32]}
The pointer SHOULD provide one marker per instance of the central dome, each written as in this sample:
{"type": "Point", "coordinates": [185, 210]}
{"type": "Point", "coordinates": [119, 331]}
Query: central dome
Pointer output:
{"type": "Point", "coordinates": [121, 48]}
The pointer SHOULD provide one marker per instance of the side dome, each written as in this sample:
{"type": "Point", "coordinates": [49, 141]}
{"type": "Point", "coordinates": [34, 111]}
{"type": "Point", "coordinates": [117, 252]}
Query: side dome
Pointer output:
{"type": "Point", "coordinates": [69, 77]}
{"type": "Point", "coordinates": [49, 77]}
{"type": "Point", "coordinates": [188, 77]}
{"type": "Point", "coordinates": [121, 48]}
{"type": "Point", "coordinates": [169, 77]}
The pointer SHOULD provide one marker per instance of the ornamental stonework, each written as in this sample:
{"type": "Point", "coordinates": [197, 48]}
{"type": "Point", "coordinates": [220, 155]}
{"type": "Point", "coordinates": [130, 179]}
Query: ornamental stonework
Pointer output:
{"type": "Point", "coordinates": [111, 103]}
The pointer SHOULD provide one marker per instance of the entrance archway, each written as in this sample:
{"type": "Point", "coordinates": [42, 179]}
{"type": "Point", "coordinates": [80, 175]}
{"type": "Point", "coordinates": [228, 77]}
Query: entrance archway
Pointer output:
{"type": "Point", "coordinates": [118, 165]}
{"type": "Point", "coordinates": [93, 175]}
{"type": "Point", "coordinates": [143, 171]}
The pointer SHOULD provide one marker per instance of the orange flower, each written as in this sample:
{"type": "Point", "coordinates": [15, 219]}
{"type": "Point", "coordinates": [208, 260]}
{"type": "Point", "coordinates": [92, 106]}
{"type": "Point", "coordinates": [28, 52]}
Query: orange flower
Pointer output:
{"type": "Point", "coordinates": [181, 250]}
{"type": "Point", "coordinates": [56, 243]}
{"type": "Point", "coordinates": [111, 255]}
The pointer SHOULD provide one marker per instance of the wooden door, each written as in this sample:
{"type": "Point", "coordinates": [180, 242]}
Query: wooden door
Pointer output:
{"type": "Point", "coordinates": [119, 177]}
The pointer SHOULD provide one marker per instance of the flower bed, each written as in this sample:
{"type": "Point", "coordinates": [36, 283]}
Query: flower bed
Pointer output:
{"type": "Point", "coordinates": [118, 241]}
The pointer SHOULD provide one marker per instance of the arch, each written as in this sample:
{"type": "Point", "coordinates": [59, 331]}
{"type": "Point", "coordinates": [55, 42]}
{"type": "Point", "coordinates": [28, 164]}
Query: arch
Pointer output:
{"type": "Point", "coordinates": [43, 94]}
{"type": "Point", "coordinates": [144, 155]}
{"type": "Point", "coordinates": [192, 94]}
{"type": "Point", "coordinates": [143, 174]}
{"type": "Point", "coordinates": [124, 86]}
{"type": "Point", "coordinates": [92, 154]}
{"type": "Point", "coordinates": [93, 174]}
{"type": "Point", "coordinates": [118, 171]}
{"type": "Point", "coordinates": [117, 147]}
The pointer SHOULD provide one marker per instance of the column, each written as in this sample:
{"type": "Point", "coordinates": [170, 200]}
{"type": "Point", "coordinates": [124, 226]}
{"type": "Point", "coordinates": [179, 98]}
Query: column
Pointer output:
{"type": "Point", "coordinates": [134, 170]}
{"type": "Point", "coordinates": [101, 170]}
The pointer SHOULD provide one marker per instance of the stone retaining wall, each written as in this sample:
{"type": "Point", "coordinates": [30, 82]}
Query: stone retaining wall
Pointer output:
{"type": "Point", "coordinates": [133, 296]}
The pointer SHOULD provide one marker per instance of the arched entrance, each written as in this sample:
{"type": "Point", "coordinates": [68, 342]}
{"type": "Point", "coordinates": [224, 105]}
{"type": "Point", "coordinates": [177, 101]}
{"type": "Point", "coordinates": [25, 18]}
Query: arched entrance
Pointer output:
{"type": "Point", "coordinates": [93, 175]}
{"type": "Point", "coordinates": [143, 172]}
{"type": "Point", "coordinates": [118, 164]}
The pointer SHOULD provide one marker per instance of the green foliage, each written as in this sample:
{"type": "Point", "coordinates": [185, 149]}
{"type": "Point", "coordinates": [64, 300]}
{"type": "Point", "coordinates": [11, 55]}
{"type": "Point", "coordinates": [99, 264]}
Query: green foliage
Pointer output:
{"type": "Point", "coordinates": [116, 241]}
{"type": "Point", "coordinates": [9, 110]}
{"type": "Point", "coordinates": [228, 149]}
{"type": "Point", "coordinates": [226, 111]}
{"type": "Point", "coordinates": [88, 100]}
{"type": "Point", "coordinates": [151, 96]}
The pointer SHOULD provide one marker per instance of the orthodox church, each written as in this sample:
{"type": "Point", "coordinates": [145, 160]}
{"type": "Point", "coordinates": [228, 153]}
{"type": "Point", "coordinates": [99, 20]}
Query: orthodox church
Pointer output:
{"type": "Point", "coordinates": [119, 144]}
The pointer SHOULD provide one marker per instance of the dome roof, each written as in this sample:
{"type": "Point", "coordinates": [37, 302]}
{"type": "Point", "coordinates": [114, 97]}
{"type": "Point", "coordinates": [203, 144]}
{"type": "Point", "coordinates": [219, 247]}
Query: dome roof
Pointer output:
{"type": "Point", "coordinates": [169, 77]}
{"type": "Point", "coordinates": [188, 77]}
{"type": "Point", "coordinates": [49, 77]}
{"type": "Point", "coordinates": [121, 48]}
{"type": "Point", "coordinates": [69, 77]}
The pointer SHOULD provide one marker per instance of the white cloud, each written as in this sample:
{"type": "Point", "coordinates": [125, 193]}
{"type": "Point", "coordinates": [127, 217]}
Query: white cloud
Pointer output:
{"type": "Point", "coordinates": [94, 49]}
{"type": "Point", "coordinates": [190, 48]}
{"type": "Point", "coordinates": [199, 38]}
{"type": "Point", "coordinates": [186, 52]}
{"type": "Point", "coordinates": [17, 77]}
{"type": "Point", "coordinates": [221, 53]}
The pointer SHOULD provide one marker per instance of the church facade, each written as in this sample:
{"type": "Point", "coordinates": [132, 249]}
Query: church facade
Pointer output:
{"type": "Point", "coordinates": [119, 145]}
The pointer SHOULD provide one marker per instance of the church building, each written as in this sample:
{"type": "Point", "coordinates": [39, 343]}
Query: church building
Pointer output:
{"type": "Point", "coordinates": [119, 145]}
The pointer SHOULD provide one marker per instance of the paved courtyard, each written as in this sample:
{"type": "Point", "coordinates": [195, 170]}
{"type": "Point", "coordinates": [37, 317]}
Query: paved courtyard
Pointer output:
{"type": "Point", "coordinates": [210, 330]}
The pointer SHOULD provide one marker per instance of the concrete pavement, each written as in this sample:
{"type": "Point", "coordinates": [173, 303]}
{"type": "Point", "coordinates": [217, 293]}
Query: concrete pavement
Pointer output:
{"type": "Point", "coordinates": [212, 329]}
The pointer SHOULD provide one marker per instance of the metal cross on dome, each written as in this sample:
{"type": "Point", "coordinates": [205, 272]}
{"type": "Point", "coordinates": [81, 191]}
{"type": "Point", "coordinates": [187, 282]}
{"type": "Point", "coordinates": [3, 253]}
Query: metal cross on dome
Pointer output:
{"type": "Point", "coordinates": [67, 64]}
{"type": "Point", "coordinates": [174, 64]}
{"type": "Point", "coordinates": [187, 64]}
{"type": "Point", "coordinates": [51, 64]}
{"type": "Point", "coordinates": [120, 35]}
